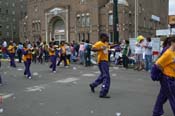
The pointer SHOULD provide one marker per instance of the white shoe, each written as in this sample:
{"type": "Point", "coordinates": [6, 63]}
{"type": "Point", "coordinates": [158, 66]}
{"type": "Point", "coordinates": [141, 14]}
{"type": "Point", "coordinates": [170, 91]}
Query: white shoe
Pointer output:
{"type": "Point", "coordinates": [30, 77]}
{"type": "Point", "coordinates": [54, 71]}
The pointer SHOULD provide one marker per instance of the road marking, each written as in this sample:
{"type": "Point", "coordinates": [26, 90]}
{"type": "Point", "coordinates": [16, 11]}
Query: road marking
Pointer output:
{"type": "Point", "coordinates": [6, 96]}
{"type": "Point", "coordinates": [67, 80]}
{"type": "Point", "coordinates": [97, 72]}
{"type": "Point", "coordinates": [114, 75]}
{"type": "Point", "coordinates": [88, 75]}
{"type": "Point", "coordinates": [35, 88]}
{"type": "Point", "coordinates": [20, 69]}
{"type": "Point", "coordinates": [116, 68]}
{"type": "Point", "coordinates": [35, 74]}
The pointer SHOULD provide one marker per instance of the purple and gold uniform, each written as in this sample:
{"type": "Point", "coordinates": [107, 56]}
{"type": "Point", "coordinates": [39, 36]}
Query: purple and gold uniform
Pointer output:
{"type": "Point", "coordinates": [27, 57]}
{"type": "Point", "coordinates": [52, 58]}
{"type": "Point", "coordinates": [11, 50]}
{"type": "Point", "coordinates": [104, 77]}
{"type": "Point", "coordinates": [164, 71]}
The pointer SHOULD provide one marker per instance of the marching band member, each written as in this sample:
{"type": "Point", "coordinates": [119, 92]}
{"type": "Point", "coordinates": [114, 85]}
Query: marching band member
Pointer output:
{"type": "Point", "coordinates": [102, 47]}
{"type": "Point", "coordinates": [164, 71]}
{"type": "Point", "coordinates": [62, 54]}
{"type": "Point", "coordinates": [52, 55]}
{"type": "Point", "coordinates": [11, 50]}
{"type": "Point", "coordinates": [27, 57]}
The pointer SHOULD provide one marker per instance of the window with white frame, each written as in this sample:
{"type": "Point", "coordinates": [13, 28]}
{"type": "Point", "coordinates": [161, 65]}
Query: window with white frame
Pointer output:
{"type": "Point", "coordinates": [110, 19]}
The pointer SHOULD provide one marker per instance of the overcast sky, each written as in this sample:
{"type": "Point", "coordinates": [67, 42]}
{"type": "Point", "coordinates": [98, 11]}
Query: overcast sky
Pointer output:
{"type": "Point", "coordinates": [172, 7]}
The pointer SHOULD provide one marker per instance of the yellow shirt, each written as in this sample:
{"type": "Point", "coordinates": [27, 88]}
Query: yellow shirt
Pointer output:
{"type": "Point", "coordinates": [63, 49]}
{"type": "Point", "coordinates": [11, 49]}
{"type": "Point", "coordinates": [167, 63]}
{"type": "Point", "coordinates": [103, 54]}
{"type": "Point", "coordinates": [51, 51]}
{"type": "Point", "coordinates": [24, 57]}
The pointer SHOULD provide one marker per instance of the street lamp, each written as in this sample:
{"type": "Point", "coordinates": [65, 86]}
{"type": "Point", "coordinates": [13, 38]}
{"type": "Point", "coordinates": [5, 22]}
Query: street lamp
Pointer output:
{"type": "Point", "coordinates": [115, 21]}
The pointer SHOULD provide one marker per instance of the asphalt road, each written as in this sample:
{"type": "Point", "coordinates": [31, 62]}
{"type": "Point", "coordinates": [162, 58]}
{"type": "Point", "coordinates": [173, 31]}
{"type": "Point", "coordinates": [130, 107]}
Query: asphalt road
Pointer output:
{"type": "Point", "coordinates": [66, 93]}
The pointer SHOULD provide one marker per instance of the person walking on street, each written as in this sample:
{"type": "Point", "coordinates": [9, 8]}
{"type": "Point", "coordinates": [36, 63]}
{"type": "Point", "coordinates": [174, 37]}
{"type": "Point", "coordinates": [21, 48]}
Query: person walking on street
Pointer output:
{"type": "Point", "coordinates": [11, 51]}
{"type": "Point", "coordinates": [163, 71]}
{"type": "Point", "coordinates": [27, 57]}
{"type": "Point", "coordinates": [102, 47]}
{"type": "Point", "coordinates": [62, 54]}
{"type": "Point", "coordinates": [52, 57]}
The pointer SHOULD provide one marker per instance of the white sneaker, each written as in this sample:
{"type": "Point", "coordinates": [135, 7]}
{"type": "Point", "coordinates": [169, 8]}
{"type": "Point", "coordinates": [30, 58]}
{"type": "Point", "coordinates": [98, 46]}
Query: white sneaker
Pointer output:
{"type": "Point", "coordinates": [54, 71]}
{"type": "Point", "coordinates": [30, 77]}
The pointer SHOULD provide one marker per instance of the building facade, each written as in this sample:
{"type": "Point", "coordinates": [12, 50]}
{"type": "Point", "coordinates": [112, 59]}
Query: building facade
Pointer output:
{"type": "Point", "coordinates": [11, 11]}
{"type": "Point", "coordinates": [78, 20]}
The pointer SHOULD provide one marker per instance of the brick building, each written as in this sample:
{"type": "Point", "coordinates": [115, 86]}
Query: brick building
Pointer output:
{"type": "Point", "coordinates": [11, 12]}
{"type": "Point", "coordinates": [84, 19]}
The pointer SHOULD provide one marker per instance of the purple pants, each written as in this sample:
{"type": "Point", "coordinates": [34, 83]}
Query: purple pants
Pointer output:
{"type": "Point", "coordinates": [103, 79]}
{"type": "Point", "coordinates": [27, 67]}
{"type": "Point", "coordinates": [53, 63]}
{"type": "Point", "coordinates": [12, 60]}
{"type": "Point", "coordinates": [167, 92]}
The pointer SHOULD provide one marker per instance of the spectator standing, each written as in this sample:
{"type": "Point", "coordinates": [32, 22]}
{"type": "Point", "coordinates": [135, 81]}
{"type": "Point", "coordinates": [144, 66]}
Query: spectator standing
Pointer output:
{"type": "Point", "coordinates": [125, 54]}
{"type": "Point", "coordinates": [81, 52]}
{"type": "Point", "coordinates": [139, 53]}
{"type": "Point", "coordinates": [87, 53]}
{"type": "Point", "coordinates": [19, 51]}
{"type": "Point", "coordinates": [148, 54]}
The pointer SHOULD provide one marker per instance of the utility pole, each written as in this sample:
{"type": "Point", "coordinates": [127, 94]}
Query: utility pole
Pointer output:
{"type": "Point", "coordinates": [136, 18]}
{"type": "Point", "coordinates": [115, 21]}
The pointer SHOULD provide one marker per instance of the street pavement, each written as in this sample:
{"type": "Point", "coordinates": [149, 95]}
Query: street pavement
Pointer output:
{"type": "Point", "coordinates": [67, 93]}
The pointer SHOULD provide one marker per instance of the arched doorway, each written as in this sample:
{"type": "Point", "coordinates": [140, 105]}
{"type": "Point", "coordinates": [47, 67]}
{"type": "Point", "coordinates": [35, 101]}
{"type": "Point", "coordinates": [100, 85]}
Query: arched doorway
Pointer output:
{"type": "Point", "coordinates": [58, 29]}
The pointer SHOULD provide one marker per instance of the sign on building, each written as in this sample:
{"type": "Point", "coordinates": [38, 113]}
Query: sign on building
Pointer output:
{"type": "Point", "coordinates": [172, 20]}
{"type": "Point", "coordinates": [132, 42]}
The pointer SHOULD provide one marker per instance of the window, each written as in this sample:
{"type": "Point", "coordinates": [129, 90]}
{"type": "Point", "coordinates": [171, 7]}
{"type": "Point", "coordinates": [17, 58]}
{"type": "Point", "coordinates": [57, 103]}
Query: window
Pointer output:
{"type": "Point", "coordinates": [0, 10]}
{"type": "Point", "coordinates": [87, 21]}
{"type": "Point", "coordinates": [14, 20]}
{"type": "Point", "coordinates": [83, 21]}
{"type": "Point", "coordinates": [78, 20]}
{"type": "Point", "coordinates": [13, 12]}
{"type": "Point", "coordinates": [82, 1]}
{"type": "Point", "coordinates": [144, 23]}
{"type": "Point", "coordinates": [111, 37]}
{"type": "Point", "coordinates": [13, 4]}
{"type": "Point", "coordinates": [88, 35]}
{"type": "Point", "coordinates": [7, 3]}
{"type": "Point", "coordinates": [111, 1]}
{"type": "Point", "coordinates": [110, 19]}
{"type": "Point", "coordinates": [7, 27]}
{"type": "Point", "coordinates": [7, 11]}
{"type": "Point", "coordinates": [8, 34]}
